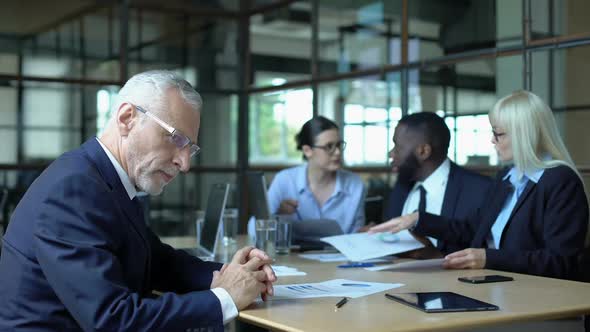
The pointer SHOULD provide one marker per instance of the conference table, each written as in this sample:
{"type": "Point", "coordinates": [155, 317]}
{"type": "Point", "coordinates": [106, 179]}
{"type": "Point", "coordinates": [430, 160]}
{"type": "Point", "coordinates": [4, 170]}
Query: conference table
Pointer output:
{"type": "Point", "coordinates": [527, 298]}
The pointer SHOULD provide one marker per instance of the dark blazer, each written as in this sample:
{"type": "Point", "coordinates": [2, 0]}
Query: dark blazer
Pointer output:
{"type": "Point", "coordinates": [77, 255]}
{"type": "Point", "coordinates": [465, 192]}
{"type": "Point", "coordinates": [544, 235]}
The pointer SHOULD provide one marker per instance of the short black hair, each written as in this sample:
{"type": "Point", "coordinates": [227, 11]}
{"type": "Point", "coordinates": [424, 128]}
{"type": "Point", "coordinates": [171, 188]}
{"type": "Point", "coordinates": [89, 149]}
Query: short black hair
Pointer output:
{"type": "Point", "coordinates": [434, 130]}
{"type": "Point", "coordinates": [311, 129]}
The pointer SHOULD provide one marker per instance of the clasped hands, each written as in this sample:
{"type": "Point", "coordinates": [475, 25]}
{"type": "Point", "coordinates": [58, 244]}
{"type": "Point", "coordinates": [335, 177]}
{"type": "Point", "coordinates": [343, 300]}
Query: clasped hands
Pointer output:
{"type": "Point", "coordinates": [248, 275]}
{"type": "Point", "coordinates": [471, 258]}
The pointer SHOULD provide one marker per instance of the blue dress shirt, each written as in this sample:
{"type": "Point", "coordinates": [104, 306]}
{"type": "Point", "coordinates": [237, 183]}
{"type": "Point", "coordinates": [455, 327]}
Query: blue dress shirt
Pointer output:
{"type": "Point", "coordinates": [493, 240]}
{"type": "Point", "coordinates": [345, 205]}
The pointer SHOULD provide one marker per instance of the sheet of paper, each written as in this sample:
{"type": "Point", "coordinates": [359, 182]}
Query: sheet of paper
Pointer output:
{"type": "Point", "coordinates": [331, 288]}
{"type": "Point", "coordinates": [362, 246]}
{"type": "Point", "coordinates": [410, 265]}
{"type": "Point", "coordinates": [285, 271]}
{"type": "Point", "coordinates": [338, 257]}
{"type": "Point", "coordinates": [325, 257]}
{"type": "Point", "coordinates": [384, 259]}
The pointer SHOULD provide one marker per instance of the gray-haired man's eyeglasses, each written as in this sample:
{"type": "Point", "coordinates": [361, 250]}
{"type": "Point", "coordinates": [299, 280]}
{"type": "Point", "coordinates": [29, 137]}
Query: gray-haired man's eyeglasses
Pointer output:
{"type": "Point", "coordinates": [180, 140]}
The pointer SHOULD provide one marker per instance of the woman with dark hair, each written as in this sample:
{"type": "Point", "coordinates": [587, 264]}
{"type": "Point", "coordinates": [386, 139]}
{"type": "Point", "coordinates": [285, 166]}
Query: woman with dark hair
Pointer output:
{"type": "Point", "coordinates": [319, 189]}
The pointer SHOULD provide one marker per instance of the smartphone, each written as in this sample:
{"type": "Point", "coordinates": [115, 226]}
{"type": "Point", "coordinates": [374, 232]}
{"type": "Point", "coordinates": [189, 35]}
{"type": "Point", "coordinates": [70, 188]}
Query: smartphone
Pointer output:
{"type": "Point", "coordinates": [485, 279]}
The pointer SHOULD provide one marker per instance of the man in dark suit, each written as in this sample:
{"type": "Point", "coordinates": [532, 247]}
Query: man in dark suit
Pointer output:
{"type": "Point", "coordinates": [77, 254]}
{"type": "Point", "coordinates": [426, 178]}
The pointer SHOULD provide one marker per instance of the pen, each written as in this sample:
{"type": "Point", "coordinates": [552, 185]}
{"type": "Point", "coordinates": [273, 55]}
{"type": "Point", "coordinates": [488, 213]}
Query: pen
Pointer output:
{"type": "Point", "coordinates": [298, 215]}
{"type": "Point", "coordinates": [341, 302]}
{"type": "Point", "coordinates": [352, 265]}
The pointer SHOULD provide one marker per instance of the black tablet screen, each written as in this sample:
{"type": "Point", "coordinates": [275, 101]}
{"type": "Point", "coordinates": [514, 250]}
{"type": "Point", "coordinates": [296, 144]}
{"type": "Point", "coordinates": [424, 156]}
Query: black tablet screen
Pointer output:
{"type": "Point", "coordinates": [441, 302]}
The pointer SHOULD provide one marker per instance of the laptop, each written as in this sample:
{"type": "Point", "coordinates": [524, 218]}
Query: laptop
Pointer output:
{"type": "Point", "coordinates": [213, 219]}
{"type": "Point", "coordinates": [257, 196]}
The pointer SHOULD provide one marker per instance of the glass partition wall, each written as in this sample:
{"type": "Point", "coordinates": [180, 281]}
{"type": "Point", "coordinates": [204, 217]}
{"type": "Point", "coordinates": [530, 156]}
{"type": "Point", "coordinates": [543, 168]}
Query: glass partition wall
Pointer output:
{"type": "Point", "coordinates": [265, 67]}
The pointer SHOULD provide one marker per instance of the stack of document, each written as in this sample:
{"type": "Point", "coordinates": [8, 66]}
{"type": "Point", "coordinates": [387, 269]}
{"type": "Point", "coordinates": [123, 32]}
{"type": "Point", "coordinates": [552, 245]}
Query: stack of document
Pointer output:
{"type": "Point", "coordinates": [285, 271]}
{"type": "Point", "coordinates": [362, 246]}
{"type": "Point", "coordinates": [325, 257]}
{"type": "Point", "coordinates": [338, 257]}
{"type": "Point", "coordinates": [435, 263]}
{"type": "Point", "coordinates": [331, 288]}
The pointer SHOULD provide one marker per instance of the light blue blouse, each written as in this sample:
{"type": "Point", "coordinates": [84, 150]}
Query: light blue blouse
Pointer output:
{"type": "Point", "coordinates": [502, 219]}
{"type": "Point", "coordinates": [345, 205]}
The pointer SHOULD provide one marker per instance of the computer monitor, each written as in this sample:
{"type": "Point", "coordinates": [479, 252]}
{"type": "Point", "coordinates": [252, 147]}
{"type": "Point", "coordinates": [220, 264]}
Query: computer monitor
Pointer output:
{"type": "Point", "coordinates": [213, 217]}
{"type": "Point", "coordinates": [257, 196]}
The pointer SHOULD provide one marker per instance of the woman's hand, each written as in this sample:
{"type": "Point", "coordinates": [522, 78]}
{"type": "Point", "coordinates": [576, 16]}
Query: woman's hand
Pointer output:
{"type": "Point", "coordinates": [466, 259]}
{"type": "Point", "coordinates": [366, 227]}
{"type": "Point", "coordinates": [288, 206]}
{"type": "Point", "coordinates": [396, 224]}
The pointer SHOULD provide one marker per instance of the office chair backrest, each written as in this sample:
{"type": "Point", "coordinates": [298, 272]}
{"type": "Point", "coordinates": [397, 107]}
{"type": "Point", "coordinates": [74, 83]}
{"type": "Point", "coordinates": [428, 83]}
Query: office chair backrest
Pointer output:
{"type": "Point", "coordinates": [3, 197]}
{"type": "Point", "coordinates": [3, 200]}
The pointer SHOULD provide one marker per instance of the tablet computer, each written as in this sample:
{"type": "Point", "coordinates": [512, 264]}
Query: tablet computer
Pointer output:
{"type": "Point", "coordinates": [312, 230]}
{"type": "Point", "coordinates": [441, 302]}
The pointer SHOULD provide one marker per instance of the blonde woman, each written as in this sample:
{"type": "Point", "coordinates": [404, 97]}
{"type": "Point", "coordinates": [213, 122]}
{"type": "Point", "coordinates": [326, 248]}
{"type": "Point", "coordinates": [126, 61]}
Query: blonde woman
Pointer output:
{"type": "Point", "coordinates": [535, 218]}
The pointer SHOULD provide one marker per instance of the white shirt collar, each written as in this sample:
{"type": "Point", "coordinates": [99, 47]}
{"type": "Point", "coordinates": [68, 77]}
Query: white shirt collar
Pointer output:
{"type": "Point", "coordinates": [129, 187]}
{"type": "Point", "coordinates": [437, 179]}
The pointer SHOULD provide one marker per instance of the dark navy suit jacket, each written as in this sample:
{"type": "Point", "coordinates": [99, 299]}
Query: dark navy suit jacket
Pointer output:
{"type": "Point", "coordinates": [544, 235]}
{"type": "Point", "coordinates": [465, 192]}
{"type": "Point", "coordinates": [77, 255]}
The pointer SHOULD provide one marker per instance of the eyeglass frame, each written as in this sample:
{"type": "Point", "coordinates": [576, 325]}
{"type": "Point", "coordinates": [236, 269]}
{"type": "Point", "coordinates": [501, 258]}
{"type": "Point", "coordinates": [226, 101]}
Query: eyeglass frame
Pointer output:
{"type": "Point", "coordinates": [194, 149]}
{"type": "Point", "coordinates": [497, 135]}
{"type": "Point", "coordinates": [341, 145]}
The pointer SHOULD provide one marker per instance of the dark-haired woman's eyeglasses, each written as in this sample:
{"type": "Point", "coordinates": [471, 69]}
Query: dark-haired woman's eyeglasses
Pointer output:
{"type": "Point", "coordinates": [330, 148]}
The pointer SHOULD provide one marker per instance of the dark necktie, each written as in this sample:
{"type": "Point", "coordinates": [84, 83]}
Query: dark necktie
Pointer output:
{"type": "Point", "coordinates": [422, 203]}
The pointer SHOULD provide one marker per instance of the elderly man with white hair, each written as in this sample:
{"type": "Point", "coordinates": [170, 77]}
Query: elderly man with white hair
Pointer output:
{"type": "Point", "coordinates": [77, 254]}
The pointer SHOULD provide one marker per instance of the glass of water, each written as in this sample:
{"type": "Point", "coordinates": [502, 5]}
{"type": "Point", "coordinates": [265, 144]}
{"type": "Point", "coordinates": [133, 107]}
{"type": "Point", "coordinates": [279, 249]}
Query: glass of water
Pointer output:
{"type": "Point", "coordinates": [230, 226]}
{"type": "Point", "coordinates": [266, 235]}
{"type": "Point", "coordinates": [199, 221]}
{"type": "Point", "coordinates": [284, 230]}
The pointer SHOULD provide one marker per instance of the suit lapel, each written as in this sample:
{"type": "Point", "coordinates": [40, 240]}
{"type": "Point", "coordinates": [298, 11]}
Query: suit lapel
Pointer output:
{"type": "Point", "coordinates": [138, 214]}
{"type": "Point", "coordinates": [523, 196]}
{"type": "Point", "coordinates": [107, 170]}
{"type": "Point", "coordinates": [495, 206]}
{"type": "Point", "coordinates": [451, 193]}
{"type": "Point", "coordinates": [398, 205]}
{"type": "Point", "coordinates": [131, 209]}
